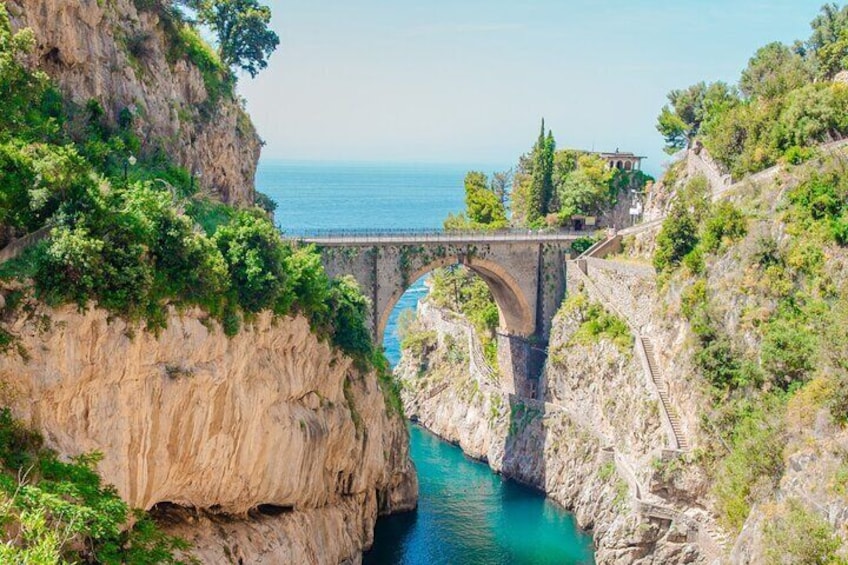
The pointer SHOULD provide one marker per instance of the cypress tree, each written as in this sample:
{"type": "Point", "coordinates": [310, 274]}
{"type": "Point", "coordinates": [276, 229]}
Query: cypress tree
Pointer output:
{"type": "Point", "coordinates": [541, 180]}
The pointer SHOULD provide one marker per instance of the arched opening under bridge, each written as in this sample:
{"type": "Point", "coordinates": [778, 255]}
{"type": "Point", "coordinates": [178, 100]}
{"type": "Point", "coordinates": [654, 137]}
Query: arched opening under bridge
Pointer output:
{"type": "Point", "coordinates": [516, 317]}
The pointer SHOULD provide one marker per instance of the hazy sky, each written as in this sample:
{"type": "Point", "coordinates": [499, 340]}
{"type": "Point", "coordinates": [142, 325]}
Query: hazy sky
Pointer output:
{"type": "Point", "coordinates": [466, 81]}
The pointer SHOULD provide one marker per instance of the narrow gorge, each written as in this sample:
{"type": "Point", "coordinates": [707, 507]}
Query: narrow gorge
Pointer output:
{"type": "Point", "coordinates": [600, 366]}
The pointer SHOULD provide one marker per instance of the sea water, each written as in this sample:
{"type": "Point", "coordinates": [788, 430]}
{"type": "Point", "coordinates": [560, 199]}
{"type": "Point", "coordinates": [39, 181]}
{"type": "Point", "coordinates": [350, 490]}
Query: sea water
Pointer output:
{"type": "Point", "coordinates": [466, 514]}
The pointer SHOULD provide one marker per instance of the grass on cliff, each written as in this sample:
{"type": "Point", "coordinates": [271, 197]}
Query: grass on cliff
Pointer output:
{"type": "Point", "coordinates": [52, 511]}
{"type": "Point", "coordinates": [596, 323]}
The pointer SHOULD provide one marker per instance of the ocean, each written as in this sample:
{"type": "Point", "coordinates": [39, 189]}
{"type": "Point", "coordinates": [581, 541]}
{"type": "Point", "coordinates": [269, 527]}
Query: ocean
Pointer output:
{"type": "Point", "coordinates": [467, 514]}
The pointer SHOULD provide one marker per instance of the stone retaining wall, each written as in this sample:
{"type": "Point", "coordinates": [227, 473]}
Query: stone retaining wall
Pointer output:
{"type": "Point", "coordinates": [626, 287]}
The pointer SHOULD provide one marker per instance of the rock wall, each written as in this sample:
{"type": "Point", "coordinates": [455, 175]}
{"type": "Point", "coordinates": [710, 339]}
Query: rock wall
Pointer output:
{"type": "Point", "coordinates": [83, 46]}
{"type": "Point", "coordinates": [271, 418]}
{"type": "Point", "coordinates": [595, 403]}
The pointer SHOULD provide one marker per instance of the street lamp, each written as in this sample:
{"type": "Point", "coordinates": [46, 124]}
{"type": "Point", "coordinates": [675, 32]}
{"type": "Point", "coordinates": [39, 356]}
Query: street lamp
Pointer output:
{"type": "Point", "coordinates": [131, 161]}
{"type": "Point", "coordinates": [193, 175]}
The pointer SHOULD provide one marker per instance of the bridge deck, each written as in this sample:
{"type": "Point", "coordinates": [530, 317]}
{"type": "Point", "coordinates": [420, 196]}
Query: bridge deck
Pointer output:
{"type": "Point", "coordinates": [412, 237]}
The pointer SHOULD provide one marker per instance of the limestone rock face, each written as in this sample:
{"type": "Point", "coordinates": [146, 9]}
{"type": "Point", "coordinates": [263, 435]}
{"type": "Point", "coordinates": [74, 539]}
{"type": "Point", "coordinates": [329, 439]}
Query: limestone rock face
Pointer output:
{"type": "Point", "coordinates": [595, 399]}
{"type": "Point", "coordinates": [116, 54]}
{"type": "Point", "coordinates": [194, 418]}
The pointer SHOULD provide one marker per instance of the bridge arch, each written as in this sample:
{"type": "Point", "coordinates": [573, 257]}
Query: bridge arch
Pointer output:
{"type": "Point", "coordinates": [517, 316]}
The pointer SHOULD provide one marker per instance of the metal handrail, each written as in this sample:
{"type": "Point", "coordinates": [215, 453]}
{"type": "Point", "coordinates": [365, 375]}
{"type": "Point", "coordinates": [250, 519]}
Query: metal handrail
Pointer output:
{"type": "Point", "coordinates": [333, 232]}
{"type": "Point", "coordinates": [343, 237]}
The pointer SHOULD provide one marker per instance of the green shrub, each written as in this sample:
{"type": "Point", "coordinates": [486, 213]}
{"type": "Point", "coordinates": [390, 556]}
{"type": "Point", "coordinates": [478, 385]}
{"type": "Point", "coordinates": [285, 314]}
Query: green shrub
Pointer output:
{"type": "Point", "coordinates": [725, 225]}
{"type": "Point", "coordinates": [798, 535]}
{"type": "Point", "coordinates": [419, 343]}
{"type": "Point", "coordinates": [256, 261]}
{"type": "Point", "coordinates": [581, 244]}
{"type": "Point", "coordinates": [598, 324]}
{"type": "Point", "coordinates": [677, 238]}
{"type": "Point", "coordinates": [463, 291]}
{"type": "Point", "coordinates": [694, 298]}
{"type": "Point", "coordinates": [265, 202]}
{"type": "Point", "coordinates": [718, 363]}
{"type": "Point", "coordinates": [755, 458]}
{"type": "Point", "coordinates": [63, 511]}
{"type": "Point", "coordinates": [788, 351]}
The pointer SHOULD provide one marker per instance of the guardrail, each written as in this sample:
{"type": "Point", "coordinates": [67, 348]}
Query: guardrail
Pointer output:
{"type": "Point", "coordinates": [336, 236]}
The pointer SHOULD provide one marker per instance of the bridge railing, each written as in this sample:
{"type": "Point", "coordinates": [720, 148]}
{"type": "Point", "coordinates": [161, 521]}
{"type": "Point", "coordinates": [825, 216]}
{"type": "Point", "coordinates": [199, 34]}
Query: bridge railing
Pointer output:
{"type": "Point", "coordinates": [428, 234]}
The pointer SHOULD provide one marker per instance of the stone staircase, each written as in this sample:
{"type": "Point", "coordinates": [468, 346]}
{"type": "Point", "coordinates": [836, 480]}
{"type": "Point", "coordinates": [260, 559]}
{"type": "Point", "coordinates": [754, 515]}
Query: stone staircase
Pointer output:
{"type": "Point", "coordinates": [662, 389]}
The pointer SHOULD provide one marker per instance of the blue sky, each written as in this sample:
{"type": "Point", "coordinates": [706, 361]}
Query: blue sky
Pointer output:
{"type": "Point", "coordinates": [466, 81]}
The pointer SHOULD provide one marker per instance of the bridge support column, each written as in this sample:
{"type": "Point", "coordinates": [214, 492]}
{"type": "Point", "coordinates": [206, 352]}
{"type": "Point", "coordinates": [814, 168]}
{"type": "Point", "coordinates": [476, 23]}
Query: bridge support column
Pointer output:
{"type": "Point", "coordinates": [520, 360]}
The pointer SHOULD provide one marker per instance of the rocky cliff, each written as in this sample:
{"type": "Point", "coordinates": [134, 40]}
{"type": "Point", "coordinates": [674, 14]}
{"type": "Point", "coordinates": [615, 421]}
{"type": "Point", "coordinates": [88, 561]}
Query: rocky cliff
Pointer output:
{"type": "Point", "coordinates": [597, 427]}
{"type": "Point", "coordinates": [280, 448]}
{"type": "Point", "coordinates": [121, 53]}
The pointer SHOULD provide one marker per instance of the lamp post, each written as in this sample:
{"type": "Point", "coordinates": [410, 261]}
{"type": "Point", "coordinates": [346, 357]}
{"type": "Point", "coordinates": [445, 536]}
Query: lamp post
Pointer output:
{"type": "Point", "coordinates": [130, 162]}
{"type": "Point", "coordinates": [194, 174]}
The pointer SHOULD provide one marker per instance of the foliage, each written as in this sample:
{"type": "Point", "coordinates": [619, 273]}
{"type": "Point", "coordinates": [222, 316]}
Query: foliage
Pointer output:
{"type": "Point", "coordinates": [187, 43]}
{"type": "Point", "coordinates": [724, 225]}
{"type": "Point", "coordinates": [413, 338]}
{"type": "Point", "coordinates": [755, 460]}
{"type": "Point", "coordinates": [31, 106]}
{"type": "Point", "coordinates": [265, 202]}
{"type": "Point", "coordinates": [828, 43]}
{"type": "Point", "coordinates": [53, 511]}
{"type": "Point", "coordinates": [773, 71]}
{"type": "Point", "coordinates": [120, 236]}
{"type": "Point", "coordinates": [597, 323]}
{"type": "Point", "coordinates": [788, 104]}
{"type": "Point", "coordinates": [681, 120]}
{"type": "Point", "coordinates": [256, 262]}
{"type": "Point", "coordinates": [676, 239]}
{"type": "Point", "coordinates": [788, 351]}
{"type": "Point", "coordinates": [586, 190]}
{"type": "Point", "coordinates": [389, 385]}
{"type": "Point", "coordinates": [533, 188]}
{"type": "Point", "coordinates": [680, 234]}
{"type": "Point", "coordinates": [242, 28]}
{"type": "Point", "coordinates": [798, 535]}
{"type": "Point", "coordinates": [460, 290]}
{"type": "Point", "coordinates": [581, 244]}
{"type": "Point", "coordinates": [483, 206]}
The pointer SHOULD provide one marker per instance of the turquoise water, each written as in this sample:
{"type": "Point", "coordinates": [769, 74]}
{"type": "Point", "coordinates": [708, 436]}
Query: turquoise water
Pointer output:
{"type": "Point", "coordinates": [467, 514]}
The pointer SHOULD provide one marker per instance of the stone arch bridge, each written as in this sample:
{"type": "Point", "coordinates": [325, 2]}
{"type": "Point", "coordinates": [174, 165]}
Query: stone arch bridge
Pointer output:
{"type": "Point", "coordinates": [525, 271]}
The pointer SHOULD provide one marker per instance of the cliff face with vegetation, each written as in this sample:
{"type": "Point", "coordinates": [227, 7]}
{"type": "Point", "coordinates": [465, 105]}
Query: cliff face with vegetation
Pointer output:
{"type": "Point", "coordinates": [163, 352]}
{"type": "Point", "coordinates": [597, 410]}
{"type": "Point", "coordinates": [135, 58]}
{"type": "Point", "coordinates": [271, 420]}
{"type": "Point", "coordinates": [741, 293]}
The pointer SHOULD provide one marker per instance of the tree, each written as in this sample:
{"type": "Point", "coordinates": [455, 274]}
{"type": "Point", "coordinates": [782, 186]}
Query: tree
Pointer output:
{"type": "Point", "coordinates": [828, 26]}
{"type": "Point", "coordinates": [828, 44]}
{"type": "Point", "coordinates": [541, 177]}
{"type": "Point", "coordinates": [678, 236]}
{"type": "Point", "coordinates": [586, 190]}
{"type": "Point", "coordinates": [482, 204]}
{"type": "Point", "coordinates": [242, 29]}
{"type": "Point", "coordinates": [501, 185]}
{"type": "Point", "coordinates": [680, 121]}
{"type": "Point", "coordinates": [773, 71]}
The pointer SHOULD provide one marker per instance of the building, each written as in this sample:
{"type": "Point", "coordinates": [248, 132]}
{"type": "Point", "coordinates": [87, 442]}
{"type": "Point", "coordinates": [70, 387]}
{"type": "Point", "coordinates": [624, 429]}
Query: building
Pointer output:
{"type": "Point", "coordinates": [623, 161]}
